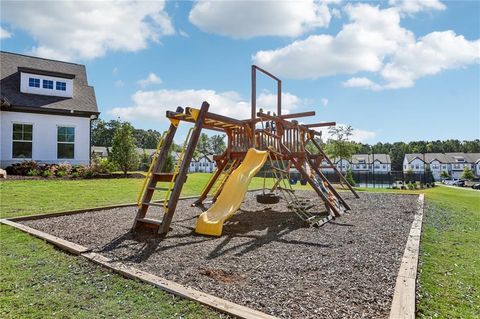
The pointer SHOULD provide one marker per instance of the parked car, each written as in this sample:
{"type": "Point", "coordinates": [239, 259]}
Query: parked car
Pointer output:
{"type": "Point", "coordinates": [448, 181]}
{"type": "Point", "coordinates": [476, 186]}
{"type": "Point", "coordinates": [460, 183]}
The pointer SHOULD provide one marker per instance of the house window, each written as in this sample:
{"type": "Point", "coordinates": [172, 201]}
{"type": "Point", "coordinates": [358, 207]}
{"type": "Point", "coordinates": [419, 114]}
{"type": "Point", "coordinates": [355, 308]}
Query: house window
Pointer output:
{"type": "Point", "coordinates": [22, 141]}
{"type": "Point", "coordinates": [65, 142]}
{"type": "Point", "coordinates": [48, 84]}
{"type": "Point", "coordinates": [61, 86]}
{"type": "Point", "coordinates": [34, 83]}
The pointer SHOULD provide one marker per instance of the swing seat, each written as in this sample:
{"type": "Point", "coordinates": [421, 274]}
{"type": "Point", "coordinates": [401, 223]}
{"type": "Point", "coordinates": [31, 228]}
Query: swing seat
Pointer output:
{"type": "Point", "coordinates": [269, 198]}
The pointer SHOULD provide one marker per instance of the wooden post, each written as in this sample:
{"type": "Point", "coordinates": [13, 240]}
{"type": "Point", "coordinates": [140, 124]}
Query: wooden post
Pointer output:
{"type": "Point", "coordinates": [220, 169]}
{"type": "Point", "coordinates": [160, 161]}
{"type": "Point", "coordinates": [299, 167]}
{"type": "Point", "coordinates": [342, 178]}
{"type": "Point", "coordinates": [332, 189]}
{"type": "Point", "coordinates": [182, 173]}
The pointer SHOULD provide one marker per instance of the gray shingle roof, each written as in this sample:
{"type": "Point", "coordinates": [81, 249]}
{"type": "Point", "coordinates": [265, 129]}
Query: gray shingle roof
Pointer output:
{"type": "Point", "coordinates": [444, 157]}
{"type": "Point", "coordinates": [369, 158]}
{"type": "Point", "coordinates": [83, 99]}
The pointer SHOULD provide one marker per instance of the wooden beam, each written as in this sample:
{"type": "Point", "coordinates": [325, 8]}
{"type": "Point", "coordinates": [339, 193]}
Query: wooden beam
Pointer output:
{"type": "Point", "coordinates": [329, 185]}
{"type": "Point", "coordinates": [211, 182]}
{"type": "Point", "coordinates": [297, 115]}
{"type": "Point", "coordinates": [320, 124]}
{"type": "Point", "coordinates": [340, 175]}
{"type": "Point", "coordinates": [57, 241]}
{"type": "Point", "coordinates": [403, 304]}
{"type": "Point", "coordinates": [182, 172]}
{"type": "Point", "coordinates": [301, 170]}
{"type": "Point", "coordinates": [160, 161]}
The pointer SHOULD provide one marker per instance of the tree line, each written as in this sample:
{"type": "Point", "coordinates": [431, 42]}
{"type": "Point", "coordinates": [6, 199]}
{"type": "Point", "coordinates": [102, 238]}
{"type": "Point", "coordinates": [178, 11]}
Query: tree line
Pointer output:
{"type": "Point", "coordinates": [338, 145]}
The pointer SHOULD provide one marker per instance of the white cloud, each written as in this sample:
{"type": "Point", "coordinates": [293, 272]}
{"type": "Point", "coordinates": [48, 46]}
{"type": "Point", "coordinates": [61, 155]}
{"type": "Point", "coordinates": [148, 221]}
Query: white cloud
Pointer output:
{"type": "Point", "coordinates": [153, 104]}
{"type": "Point", "coordinates": [359, 135]}
{"type": "Point", "coordinates": [362, 82]}
{"type": "Point", "coordinates": [152, 78]}
{"type": "Point", "coordinates": [373, 41]}
{"type": "Point", "coordinates": [247, 19]}
{"type": "Point", "coordinates": [4, 34]}
{"type": "Point", "coordinates": [433, 53]}
{"type": "Point", "coordinates": [85, 30]}
{"type": "Point", "coordinates": [115, 71]}
{"type": "Point", "coordinates": [184, 34]}
{"type": "Point", "coordinates": [119, 83]}
{"type": "Point", "coordinates": [324, 101]}
{"type": "Point", "coordinates": [414, 6]}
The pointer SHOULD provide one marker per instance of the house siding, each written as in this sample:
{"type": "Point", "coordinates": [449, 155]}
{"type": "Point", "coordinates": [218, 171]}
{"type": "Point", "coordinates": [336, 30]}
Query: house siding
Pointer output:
{"type": "Point", "coordinates": [44, 143]}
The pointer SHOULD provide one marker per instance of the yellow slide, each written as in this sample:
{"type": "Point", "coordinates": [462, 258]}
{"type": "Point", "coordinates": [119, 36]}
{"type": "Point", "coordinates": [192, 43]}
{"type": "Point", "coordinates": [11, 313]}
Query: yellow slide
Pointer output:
{"type": "Point", "coordinates": [231, 197]}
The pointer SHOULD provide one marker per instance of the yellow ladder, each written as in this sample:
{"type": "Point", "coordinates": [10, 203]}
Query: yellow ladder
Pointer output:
{"type": "Point", "coordinates": [149, 172]}
{"type": "Point", "coordinates": [176, 169]}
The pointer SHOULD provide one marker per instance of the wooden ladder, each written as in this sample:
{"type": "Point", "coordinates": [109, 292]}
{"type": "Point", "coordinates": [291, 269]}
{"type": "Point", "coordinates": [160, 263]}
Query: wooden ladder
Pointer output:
{"type": "Point", "coordinates": [175, 180]}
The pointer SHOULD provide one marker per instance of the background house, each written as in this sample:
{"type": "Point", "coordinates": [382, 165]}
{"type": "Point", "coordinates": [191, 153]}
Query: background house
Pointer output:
{"type": "Point", "coordinates": [452, 163]}
{"type": "Point", "coordinates": [362, 163]}
{"type": "Point", "coordinates": [45, 111]}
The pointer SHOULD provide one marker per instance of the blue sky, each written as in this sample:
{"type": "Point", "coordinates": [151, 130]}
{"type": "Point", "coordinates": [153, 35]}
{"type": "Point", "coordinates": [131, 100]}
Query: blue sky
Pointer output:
{"type": "Point", "coordinates": [395, 70]}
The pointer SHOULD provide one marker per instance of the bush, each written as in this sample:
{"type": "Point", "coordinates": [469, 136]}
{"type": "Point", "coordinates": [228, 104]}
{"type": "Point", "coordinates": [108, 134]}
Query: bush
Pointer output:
{"type": "Point", "coordinates": [63, 169]}
{"type": "Point", "coordinates": [22, 168]}
{"type": "Point", "coordinates": [33, 172]}
{"type": "Point", "coordinates": [47, 173]}
{"type": "Point", "coordinates": [349, 178]}
{"type": "Point", "coordinates": [411, 186]}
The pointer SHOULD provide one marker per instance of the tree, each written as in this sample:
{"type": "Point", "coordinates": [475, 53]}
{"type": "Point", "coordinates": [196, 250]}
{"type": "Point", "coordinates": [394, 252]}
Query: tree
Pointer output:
{"type": "Point", "coordinates": [409, 176]}
{"type": "Point", "coordinates": [349, 178]}
{"type": "Point", "coordinates": [203, 146]}
{"type": "Point", "coordinates": [467, 174]}
{"type": "Point", "coordinates": [124, 153]}
{"type": "Point", "coordinates": [339, 146]}
{"type": "Point", "coordinates": [444, 175]}
{"type": "Point", "coordinates": [217, 144]}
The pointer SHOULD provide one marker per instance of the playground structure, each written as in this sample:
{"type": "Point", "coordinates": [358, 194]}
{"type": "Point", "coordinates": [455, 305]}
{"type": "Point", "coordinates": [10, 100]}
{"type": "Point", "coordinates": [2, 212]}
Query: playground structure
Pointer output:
{"type": "Point", "coordinates": [278, 140]}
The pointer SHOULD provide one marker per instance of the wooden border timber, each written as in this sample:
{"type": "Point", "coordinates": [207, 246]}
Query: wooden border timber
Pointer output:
{"type": "Point", "coordinates": [219, 304]}
{"type": "Point", "coordinates": [57, 241]}
{"type": "Point", "coordinates": [403, 304]}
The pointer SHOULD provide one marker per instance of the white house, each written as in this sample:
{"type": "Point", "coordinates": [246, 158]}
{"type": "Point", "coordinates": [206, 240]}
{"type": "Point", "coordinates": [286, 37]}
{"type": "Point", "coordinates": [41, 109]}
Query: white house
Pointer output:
{"type": "Point", "coordinates": [46, 107]}
{"type": "Point", "coordinates": [362, 163]}
{"type": "Point", "coordinates": [452, 163]}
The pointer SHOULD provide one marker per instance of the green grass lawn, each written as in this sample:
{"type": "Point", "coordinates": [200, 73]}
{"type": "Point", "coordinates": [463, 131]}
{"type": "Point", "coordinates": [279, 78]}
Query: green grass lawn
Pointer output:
{"type": "Point", "coordinates": [39, 281]}
{"type": "Point", "coordinates": [28, 197]}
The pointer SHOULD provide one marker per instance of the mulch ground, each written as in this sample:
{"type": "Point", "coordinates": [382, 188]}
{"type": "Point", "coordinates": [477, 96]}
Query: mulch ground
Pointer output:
{"type": "Point", "coordinates": [265, 258]}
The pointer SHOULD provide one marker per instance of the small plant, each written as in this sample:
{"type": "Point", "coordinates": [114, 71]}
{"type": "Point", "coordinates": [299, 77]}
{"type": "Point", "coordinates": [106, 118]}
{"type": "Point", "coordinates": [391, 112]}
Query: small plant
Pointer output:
{"type": "Point", "coordinates": [33, 172]}
{"type": "Point", "coordinates": [411, 186]}
{"type": "Point", "coordinates": [47, 173]}
{"type": "Point", "coordinates": [22, 168]}
{"type": "Point", "coordinates": [349, 178]}
{"type": "Point", "coordinates": [63, 169]}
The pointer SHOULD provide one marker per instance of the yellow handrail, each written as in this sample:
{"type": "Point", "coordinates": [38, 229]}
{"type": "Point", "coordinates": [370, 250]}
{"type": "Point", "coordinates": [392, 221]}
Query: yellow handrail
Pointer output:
{"type": "Point", "coordinates": [177, 167]}
{"type": "Point", "coordinates": [147, 176]}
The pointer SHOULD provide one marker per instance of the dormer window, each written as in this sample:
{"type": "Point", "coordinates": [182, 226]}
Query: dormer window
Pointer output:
{"type": "Point", "coordinates": [460, 159]}
{"type": "Point", "coordinates": [33, 82]}
{"type": "Point", "coordinates": [61, 86]}
{"type": "Point", "coordinates": [48, 84]}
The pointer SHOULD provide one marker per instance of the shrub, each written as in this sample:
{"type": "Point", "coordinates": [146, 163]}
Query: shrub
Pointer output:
{"type": "Point", "coordinates": [22, 168]}
{"type": "Point", "coordinates": [61, 173]}
{"type": "Point", "coordinates": [63, 169]}
{"type": "Point", "coordinates": [349, 178]}
{"type": "Point", "coordinates": [411, 185]}
{"type": "Point", "coordinates": [33, 172]}
{"type": "Point", "coordinates": [47, 173]}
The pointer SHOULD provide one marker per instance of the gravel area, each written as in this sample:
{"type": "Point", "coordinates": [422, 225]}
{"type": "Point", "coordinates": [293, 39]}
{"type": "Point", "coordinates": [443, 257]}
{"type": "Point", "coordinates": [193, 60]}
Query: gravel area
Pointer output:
{"type": "Point", "coordinates": [266, 259]}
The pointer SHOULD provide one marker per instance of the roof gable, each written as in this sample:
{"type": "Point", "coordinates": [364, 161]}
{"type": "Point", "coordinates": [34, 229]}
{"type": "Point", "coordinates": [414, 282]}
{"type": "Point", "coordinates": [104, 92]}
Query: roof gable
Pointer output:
{"type": "Point", "coordinates": [82, 102]}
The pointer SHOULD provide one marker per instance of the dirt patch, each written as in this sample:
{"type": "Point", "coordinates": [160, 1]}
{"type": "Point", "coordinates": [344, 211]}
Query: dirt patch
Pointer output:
{"type": "Point", "coordinates": [265, 258]}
